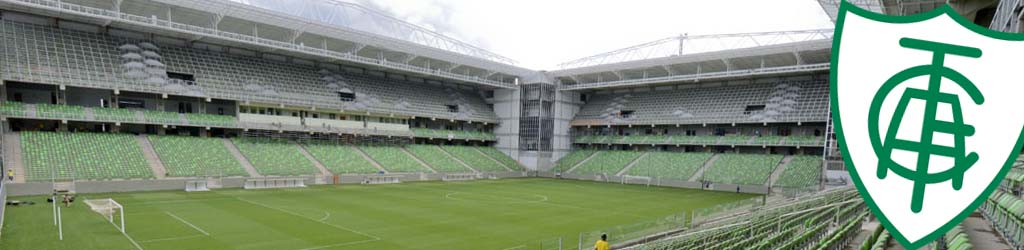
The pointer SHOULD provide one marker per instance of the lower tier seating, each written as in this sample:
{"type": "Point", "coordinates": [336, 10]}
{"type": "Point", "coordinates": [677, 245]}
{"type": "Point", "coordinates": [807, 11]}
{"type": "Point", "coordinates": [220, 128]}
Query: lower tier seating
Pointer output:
{"type": "Point", "coordinates": [571, 159]}
{"type": "Point", "coordinates": [275, 157]}
{"type": "Point", "coordinates": [393, 159]}
{"type": "Point", "coordinates": [340, 159]}
{"type": "Point", "coordinates": [742, 169]}
{"type": "Point", "coordinates": [608, 162]}
{"type": "Point", "coordinates": [82, 156]}
{"type": "Point", "coordinates": [669, 165]}
{"type": "Point", "coordinates": [802, 171]}
{"type": "Point", "coordinates": [475, 159]}
{"type": "Point", "coordinates": [437, 159]}
{"type": "Point", "coordinates": [501, 157]}
{"type": "Point", "coordinates": [185, 156]}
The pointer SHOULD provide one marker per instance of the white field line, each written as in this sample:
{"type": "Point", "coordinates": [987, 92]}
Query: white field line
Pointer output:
{"type": "Point", "coordinates": [340, 244]}
{"type": "Point", "coordinates": [187, 223]}
{"type": "Point", "coordinates": [172, 238]}
{"type": "Point", "coordinates": [304, 217]}
{"type": "Point", "coordinates": [127, 236]}
{"type": "Point", "coordinates": [515, 247]}
{"type": "Point", "coordinates": [326, 215]}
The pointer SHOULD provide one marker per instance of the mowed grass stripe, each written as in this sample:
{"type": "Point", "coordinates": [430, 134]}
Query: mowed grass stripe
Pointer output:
{"type": "Point", "coordinates": [487, 214]}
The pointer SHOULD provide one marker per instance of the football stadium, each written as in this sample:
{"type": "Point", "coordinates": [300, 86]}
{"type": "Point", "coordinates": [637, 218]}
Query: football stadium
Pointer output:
{"type": "Point", "coordinates": [238, 124]}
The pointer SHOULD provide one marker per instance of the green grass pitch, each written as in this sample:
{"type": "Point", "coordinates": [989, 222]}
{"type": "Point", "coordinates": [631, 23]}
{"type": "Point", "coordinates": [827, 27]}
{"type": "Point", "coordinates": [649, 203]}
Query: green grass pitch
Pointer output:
{"type": "Point", "coordinates": [489, 214]}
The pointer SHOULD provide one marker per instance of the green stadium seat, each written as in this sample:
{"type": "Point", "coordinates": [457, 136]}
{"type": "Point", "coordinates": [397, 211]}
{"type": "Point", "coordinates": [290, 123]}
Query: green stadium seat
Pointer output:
{"type": "Point", "coordinates": [669, 165]}
{"type": "Point", "coordinates": [187, 156]}
{"type": "Point", "coordinates": [211, 120]}
{"type": "Point", "coordinates": [571, 159]}
{"type": "Point", "coordinates": [609, 162]}
{"type": "Point", "coordinates": [275, 157]}
{"type": "Point", "coordinates": [742, 169]}
{"type": "Point", "coordinates": [501, 157]}
{"type": "Point", "coordinates": [802, 171]}
{"type": "Point", "coordinates": [393, 159]}
{"type": "Point", "coordinates": [114, 114]}
{"type": "Point", "coordinates": [60, 111]}
{"type": "Point", "coordinates": [153, 116]}
{"type": "Point", "coordinates": [83, 156]}
{"type": "Point", "coordinates": [475, 158]}
{"type": "Point", "coordinates": [437, 159]}
{"type": "Point", "coordinates": [9, 108]}
{"type": "Point", "coordinates": [340, 159]}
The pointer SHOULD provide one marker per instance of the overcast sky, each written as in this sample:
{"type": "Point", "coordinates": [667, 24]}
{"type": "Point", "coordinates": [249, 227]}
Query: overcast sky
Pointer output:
{"type": "Point", "coordinates": [539, 34]}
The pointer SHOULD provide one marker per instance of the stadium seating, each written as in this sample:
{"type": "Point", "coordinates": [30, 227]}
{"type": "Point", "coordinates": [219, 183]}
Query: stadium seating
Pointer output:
{"type": "Point", "coordinates": [804, 140]}
{"type": "Point", "coordinates": [60, 111]}
{"type": "Point", "coordinates": [668, 165]}
{"type": "Point", "coordinates": [767, 140]}
{"type": "Point", "coordinates": [805, 228]}
{"type": "Point", "coordinates": [743, 169]}
{"type": "Point", "coordinates": [275, 157]}
{"type": "Point", "coordinates": [1006, 212]}
{"type": "Point", "coordinates": [162, 117]}
{"type": "Point", "coordinates": [877, 240]}
{"type": "Point", "coordinates": [114, 114]}
{"type": "Point", "coordinates": [185, 156]}
{"type": "Point", "coordinates": [83, 156]}
{"type": "Point", "coordinates": [393, 159]}
{"type": "Point", "coordinates": [501, 157]}
{"type": "Point", "coordinates": [437, 159]}
{"type": "Point", "coordinates": [795, 101]}
{"type": "Point", "coordinates": [955, 239]}
{"type": "Point", "coordinates": [211, 120]}
{"type": "Point", "coordinates": [735, 139]}
{"type": "Point", "coordinates": [340, 159]}
{"type": "Point", "coordinates": [10, 108]}
{"type": "Point", "coordinates": [571, 159]}
{"type": "Point", "coordinates": [87, 62]}
{"type": "Point", "coordinates": [802, 171]}
{"type": "Point", "coordinates": [475, 159]}
{"type": "Point", "coordinates": [609, 162]}
{"type": "Point", "coordinates": [453, 134]}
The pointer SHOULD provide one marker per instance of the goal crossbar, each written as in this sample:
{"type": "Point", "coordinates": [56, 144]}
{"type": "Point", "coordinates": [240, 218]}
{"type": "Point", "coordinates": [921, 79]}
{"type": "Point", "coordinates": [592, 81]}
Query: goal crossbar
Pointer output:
{"type": "Point", "coordinates": [108, 208]}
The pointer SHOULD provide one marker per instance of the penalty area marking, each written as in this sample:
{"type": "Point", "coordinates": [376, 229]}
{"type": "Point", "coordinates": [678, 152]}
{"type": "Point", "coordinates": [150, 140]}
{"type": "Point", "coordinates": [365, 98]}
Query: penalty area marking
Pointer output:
{"type": "Point", "coordinates": [372, 237]}
{"type": "Point", "coordinates": [187, 223]}
{"type": "Point", "coordinates": [515, 247]}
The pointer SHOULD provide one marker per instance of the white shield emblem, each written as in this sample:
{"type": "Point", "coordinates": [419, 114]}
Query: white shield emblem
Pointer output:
{"type": "Point", "coordinates": [928, 114]}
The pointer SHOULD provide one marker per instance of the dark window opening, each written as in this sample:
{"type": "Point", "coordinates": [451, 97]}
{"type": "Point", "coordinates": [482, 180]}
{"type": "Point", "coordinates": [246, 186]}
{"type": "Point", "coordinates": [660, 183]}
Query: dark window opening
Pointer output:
{"type": "Point", "coordinates": [753, 108]}
{"type": "Point", "coordinates": [626, 113]}
{"type": "Point", "coordinates": [347, 97]}
{"type": "Point", "coordinates": [188, 78]}
{"type": "Point", "coordinates": [130, 103]}
{"type": "Point", "coordinates": [453, 108]}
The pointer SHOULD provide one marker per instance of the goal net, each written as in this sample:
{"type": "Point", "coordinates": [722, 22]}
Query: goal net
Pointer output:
{"type": "Point", "coordinates": [381, 179]}
{"type": "Point", "coordinates": [636, 180]}
{"type": "Point", "coordinates": [110, 210]}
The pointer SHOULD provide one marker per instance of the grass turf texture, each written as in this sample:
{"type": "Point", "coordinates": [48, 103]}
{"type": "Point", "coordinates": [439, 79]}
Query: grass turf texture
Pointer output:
{"type": "Point", "coordinates": [487, 214]}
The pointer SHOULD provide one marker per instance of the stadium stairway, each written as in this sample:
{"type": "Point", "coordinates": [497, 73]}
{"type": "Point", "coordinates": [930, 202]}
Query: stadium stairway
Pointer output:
{"type": "Point", "coordinates": [700, 172]}
{"type": "Point", "coordinates": [492, 158]}
{"type": "Point", "coordinates": [981, 233]}
{"type": "Point", "coordinates": [631, 164]}
{"type": "Point", "coordinates": [449, 155]}
{"type": "Point", "coordinates": [151, 157]}
{"type": "Point", "coordinates": [12, 156]}
{"type": "Point", "coordinates": [316, 163]}
{"type": "Point", "coordinates": [369, 159]}
{"type": "Point", "coordinates": [417, 159]}
{"type": "Point", "coordinates": [241, 158]}
{"type": "Point", "coordinates": [779, 169]}
{"type": "Point", "coordinates": [578, 164]}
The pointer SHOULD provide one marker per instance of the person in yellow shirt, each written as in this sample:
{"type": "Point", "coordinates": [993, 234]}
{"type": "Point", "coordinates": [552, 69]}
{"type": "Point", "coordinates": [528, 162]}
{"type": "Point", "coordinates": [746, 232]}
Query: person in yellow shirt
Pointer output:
{"type": "Point", "coordinates": [10, 174]}
{"type": "Point", "coordinates": [602, 244]}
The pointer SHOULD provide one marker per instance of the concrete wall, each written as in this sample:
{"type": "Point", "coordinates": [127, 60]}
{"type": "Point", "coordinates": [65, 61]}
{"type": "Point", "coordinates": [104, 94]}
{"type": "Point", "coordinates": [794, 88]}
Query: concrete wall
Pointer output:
{"type": "Point", "coordinates": [507, 109]}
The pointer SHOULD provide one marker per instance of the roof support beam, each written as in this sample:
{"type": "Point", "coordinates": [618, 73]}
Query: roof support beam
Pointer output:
{"type": "Point", "coordinates": [117, 8]}
{"type": "Point", "coordinates": [452, 67]}
{"type": "Point", "coordinates": [575, 79]}
{"type": "Point", "coordinates": [669, 70]}
{"type": "Point", "coordinates": [296, 34]}
{"type": "Point", "coordinates": [799, 58]}
{"type": "Point", "coordinates": [618, 74]}
{"type": "Point", "coordinates": [728, 65]}
{"type": "Point", "coordinates": [357, 48]}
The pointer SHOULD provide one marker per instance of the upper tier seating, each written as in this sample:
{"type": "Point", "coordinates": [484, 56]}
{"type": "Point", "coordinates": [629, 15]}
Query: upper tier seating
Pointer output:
{"type": "Point", "coordinates": [95, 60]}
{"type": "Point", "coordinates": [743, 169]}
{"type": "Point", "coordinates": [609, 162]}
{"type": "Point", "coordinates": [501, 157]}
{"type": "Point", "coordinates": [211, 120]}
{"type": "Point", "coordinates": [802, 171]}
{"type": "Point", "coordinates": [437, 159]}
{"type": "Point", "coordinates": [475, 159]}
{"type": "Point", "coordinates": [791, 101]}
{"type": "Point", "coordinates": [669, 165]}
{"type": "Point", "coordinates": [275, 157]}
{"type": "Point", "coordinates": [113, 114]}
{"type": "Point", "coordinates": [82, 156]}
{"type": "Point", "coordinates": [571, 159]}
{"type": "Point", "coordinates": [10, 108]}
{"type": "Point", "coordinates": [340, 159]}
{"type": "Point", "coordinates": [60, 111]}
{"type": "Point", "coordinates": [161, 117]}
{"type": "Point", "coordinates": [186, 156]}
{"type": "Point", "coordinates": [393, 159]}
{"type": "Point", "coordinates": [453, 134]}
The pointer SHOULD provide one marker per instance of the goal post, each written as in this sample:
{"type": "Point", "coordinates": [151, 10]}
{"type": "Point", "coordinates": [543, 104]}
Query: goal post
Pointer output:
{"type": "Point", "coordinates": [636, 180]}
{"type": "Point", "coordinates": [112, 211]}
